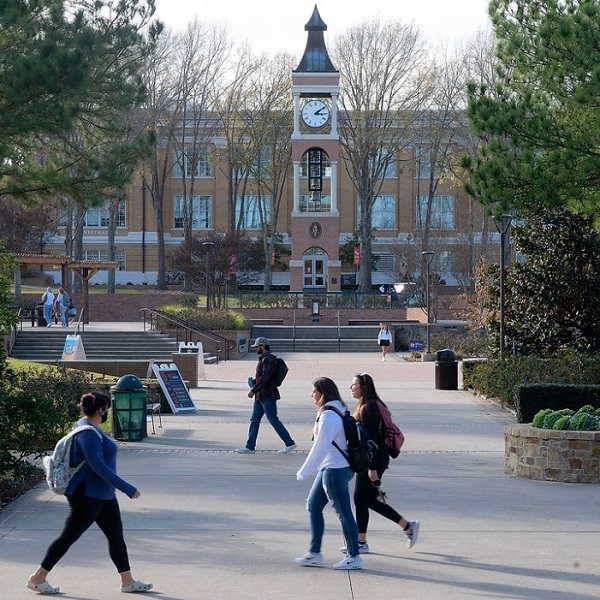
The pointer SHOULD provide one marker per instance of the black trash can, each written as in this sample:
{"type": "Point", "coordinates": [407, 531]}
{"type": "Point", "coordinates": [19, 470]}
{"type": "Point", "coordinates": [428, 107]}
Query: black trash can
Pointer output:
{"type": "Point", "coordinates": [129, 409]}
{"type": "Point", "coordinates": [446, 370]}
{"type": "Point", "coordinates": [41, 321]}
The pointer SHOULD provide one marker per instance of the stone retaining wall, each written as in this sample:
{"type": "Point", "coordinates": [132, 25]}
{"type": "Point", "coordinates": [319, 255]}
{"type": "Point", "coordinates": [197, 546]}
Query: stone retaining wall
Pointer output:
{"type": "Point", "coordinates": [550, 455]}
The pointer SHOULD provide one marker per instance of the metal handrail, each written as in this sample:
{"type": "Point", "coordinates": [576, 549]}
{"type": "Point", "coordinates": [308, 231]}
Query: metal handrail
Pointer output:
{"type": "Point", "coordinates": [80, 321]}
{"type": "Point", "coordinates": [152, 316]}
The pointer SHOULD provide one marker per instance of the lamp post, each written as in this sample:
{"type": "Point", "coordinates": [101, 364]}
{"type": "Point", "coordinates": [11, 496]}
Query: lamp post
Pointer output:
{"type": "Point", "coordinates": [209, 248]}
{"type": "Point", "coordinates": [502, 225]}
{"type": "Point", "coordinates": [428, 256]}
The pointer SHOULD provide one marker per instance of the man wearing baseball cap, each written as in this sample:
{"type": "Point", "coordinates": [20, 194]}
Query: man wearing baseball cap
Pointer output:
{"type": "Point", "coordinates": [265, 393]}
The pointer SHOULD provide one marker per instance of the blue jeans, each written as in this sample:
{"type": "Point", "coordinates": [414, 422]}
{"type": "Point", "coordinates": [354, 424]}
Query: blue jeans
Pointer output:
{"type": "Point", "coordinates": [332, 484]}
{"type": "Point", "coordinates": [48, 313]}
{"type": "Point", "coordinates": [269, 408]}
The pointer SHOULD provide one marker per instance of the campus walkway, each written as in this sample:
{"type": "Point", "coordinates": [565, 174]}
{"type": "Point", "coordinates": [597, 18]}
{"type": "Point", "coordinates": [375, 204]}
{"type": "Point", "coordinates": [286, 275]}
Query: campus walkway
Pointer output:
{"type": "Point", "coordinates": [215, 525]}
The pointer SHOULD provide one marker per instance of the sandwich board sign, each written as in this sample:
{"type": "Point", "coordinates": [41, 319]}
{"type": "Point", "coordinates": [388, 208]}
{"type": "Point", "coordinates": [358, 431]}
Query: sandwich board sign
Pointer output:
{"type": "Point", "coordinates": [173, 387]}
{"type": "Point", "coordinates": [73, 348]}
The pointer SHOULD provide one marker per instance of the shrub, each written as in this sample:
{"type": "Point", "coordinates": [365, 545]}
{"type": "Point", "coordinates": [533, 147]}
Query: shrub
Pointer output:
{"type": "Point", "coordinates": [585, 419]}
{"type": "Point", "coordinates": [215, 320]}
{"type": "Point", "coordinates": [35, 410]}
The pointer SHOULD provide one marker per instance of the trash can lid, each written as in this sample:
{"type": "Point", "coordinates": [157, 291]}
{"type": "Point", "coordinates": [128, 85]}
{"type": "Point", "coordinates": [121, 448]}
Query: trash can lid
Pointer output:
{"type": "Point", "coordinates": [128, 383]}
{"type": "Point", "coordinates": [446, 355]}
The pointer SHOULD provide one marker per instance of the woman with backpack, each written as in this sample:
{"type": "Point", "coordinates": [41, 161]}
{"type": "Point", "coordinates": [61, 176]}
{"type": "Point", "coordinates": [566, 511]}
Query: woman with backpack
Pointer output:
{"type": "Point", "coordinates": [367, 493]}
{"type": "Point", "coordinates": [333, 477]}
{"type": "Point", "coordinates": [92, 499]}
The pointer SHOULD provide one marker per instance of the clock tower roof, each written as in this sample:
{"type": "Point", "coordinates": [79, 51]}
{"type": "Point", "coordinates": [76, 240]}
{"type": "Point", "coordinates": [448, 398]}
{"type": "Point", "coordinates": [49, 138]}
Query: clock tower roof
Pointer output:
{"type": "Point", "coordinates": [316, 58]}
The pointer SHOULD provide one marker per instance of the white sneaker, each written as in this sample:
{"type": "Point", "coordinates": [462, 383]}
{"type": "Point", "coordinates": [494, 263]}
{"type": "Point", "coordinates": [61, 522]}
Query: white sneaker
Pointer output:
{"type": "Point", "coordinates": [310, 559]}
{"type": "Point", "coordinates": [412, 535]}
{"type": "Point", "coordinates": [287, 449]}
{"type": "Point", "coordinates": [349, 563]}
{"type": "Point", "coordinates": [363, 548]}
{"type": "Point", "coordinates": [245, 450]}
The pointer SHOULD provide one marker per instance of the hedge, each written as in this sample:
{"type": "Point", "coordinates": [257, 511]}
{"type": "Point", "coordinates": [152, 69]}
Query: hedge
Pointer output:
{"type": "Point", "coordinates": [532, 398]}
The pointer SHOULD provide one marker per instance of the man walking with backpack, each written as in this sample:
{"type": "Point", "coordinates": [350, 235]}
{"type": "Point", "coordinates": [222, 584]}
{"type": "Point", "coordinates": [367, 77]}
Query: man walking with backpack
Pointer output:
{"type": "Point", "coordinates": [263, 388]}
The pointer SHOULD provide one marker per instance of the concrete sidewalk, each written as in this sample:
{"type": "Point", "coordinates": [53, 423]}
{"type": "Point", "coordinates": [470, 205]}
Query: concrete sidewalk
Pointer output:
{"type": "Point", "coordinates": [212, 524]}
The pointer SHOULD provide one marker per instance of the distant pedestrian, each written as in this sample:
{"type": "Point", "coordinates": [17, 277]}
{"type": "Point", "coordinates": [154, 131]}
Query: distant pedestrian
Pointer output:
{"type": "Point", "coordinates": [367, 490]}
{"type": "Point", "coordinates": [48, 301]}
{"type": "Point", "coordinates": [332, 479]}
{"type": "Point", "coordinates": [63, 302]}
{"type": "Point", "coordinates": [92, 499]}
{"type": "Point", "coordinates": [265, 393]}
{"type": "Point", "coordinates": [384, 339]}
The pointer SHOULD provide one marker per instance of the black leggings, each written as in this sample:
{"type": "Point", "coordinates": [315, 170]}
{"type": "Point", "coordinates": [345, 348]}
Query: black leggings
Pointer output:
{"type": "Point", "coordinates": [365, 498]}
{"type": "Point", "coordinates": [83, 512]}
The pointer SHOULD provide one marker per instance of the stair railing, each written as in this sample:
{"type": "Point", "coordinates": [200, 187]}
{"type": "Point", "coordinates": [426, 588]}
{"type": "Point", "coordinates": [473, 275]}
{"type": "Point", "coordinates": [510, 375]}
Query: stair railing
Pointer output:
{"type": "Point", "coordinates": [157, 318]}
{"type": "Point", "coordinates": [80, 322]}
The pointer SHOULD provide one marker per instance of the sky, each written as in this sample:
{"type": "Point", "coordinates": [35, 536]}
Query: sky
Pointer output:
{"type": "Point", "coordinates": [278, 25]}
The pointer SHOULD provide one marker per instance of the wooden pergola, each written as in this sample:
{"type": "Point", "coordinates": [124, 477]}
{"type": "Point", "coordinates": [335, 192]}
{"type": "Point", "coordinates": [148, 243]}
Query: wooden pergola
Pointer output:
{"type": "Point", "coordinates": [84, 269]}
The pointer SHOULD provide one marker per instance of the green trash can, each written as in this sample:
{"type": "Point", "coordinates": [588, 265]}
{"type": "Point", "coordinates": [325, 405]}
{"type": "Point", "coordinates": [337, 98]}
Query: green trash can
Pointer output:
{"type": "Point", "coordinates": [129, 409]}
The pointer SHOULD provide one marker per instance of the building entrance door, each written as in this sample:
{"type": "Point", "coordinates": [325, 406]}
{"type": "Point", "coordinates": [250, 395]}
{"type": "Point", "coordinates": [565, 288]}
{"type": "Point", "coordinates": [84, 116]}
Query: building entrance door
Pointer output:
{"type": "Point", "coordinates": [315, 269]}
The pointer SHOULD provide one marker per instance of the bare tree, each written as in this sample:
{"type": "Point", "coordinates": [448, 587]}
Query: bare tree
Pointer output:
{"type": "Point", "coordinates": [383, 80]}
{"type": "Point", "coordinates": [201, 54]}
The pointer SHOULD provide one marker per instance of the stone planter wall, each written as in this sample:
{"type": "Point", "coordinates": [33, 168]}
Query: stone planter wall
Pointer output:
{"type": "Point", "coordinates": [549, 455]}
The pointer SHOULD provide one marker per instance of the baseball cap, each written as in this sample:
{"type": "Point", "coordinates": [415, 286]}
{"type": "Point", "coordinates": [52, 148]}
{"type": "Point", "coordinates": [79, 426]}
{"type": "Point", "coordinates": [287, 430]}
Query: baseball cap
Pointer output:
{"type": "Point", "coordinates": [260, 341]}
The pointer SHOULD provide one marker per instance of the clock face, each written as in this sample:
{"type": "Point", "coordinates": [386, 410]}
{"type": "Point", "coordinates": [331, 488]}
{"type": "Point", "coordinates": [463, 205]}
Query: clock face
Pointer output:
{"type": "Point", "coordinates": [315, 113]}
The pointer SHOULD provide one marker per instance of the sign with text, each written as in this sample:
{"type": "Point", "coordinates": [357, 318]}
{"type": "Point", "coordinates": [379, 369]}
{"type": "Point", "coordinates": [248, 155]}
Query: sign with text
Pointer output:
{"type": "Point", "coordinates": [175, 390]}
{"type": "Point", "coordinates": [73, 348]}
{"type": "Point", "coordinates": [416, 345]}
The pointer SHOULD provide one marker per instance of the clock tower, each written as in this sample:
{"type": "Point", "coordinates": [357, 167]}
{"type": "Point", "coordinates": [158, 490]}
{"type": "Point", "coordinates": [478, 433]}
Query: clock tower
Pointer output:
{"type": "Point", "coordinates": [315, 264]}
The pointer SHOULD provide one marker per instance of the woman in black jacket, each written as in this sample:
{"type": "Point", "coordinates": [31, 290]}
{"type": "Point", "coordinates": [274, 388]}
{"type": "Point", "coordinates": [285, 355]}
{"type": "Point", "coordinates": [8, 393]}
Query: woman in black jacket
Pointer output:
{"type": "Point", "coordinates": [366, 488]}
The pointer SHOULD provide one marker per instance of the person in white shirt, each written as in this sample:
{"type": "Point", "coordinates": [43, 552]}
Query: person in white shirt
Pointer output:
{"type": "Point", "coordinates": [48, 300]}
{"type": "Point", "coordinates": [384, 339]}
{"type": "Point", "coordinates": [332, 480]}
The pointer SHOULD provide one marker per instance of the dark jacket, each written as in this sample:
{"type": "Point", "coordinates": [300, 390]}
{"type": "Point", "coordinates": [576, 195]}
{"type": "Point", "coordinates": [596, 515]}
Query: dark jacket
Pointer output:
{"type": "Point", "coordinates": [264, 387]}
{"type": "Point", "coordinates": [371, 421]}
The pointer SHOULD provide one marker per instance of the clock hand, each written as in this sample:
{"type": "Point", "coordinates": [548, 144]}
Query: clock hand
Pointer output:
{"type": "Point", "coordinates": [320, 111]}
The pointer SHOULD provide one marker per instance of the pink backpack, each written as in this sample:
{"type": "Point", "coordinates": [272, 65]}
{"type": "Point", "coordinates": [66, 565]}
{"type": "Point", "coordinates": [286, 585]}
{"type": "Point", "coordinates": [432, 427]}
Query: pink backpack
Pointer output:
{"type": "Point", "coordinates": [391, 434]}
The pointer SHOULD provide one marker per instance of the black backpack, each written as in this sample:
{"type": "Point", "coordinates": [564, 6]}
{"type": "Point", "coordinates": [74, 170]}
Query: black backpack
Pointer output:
{"type": "Point", "coordinates": [360, 445]}
{"type": "Point", "coordinates": [282, 371]}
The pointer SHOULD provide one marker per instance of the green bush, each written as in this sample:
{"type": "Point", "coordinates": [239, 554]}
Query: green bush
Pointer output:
{"type": "Point", "coordinates": [36, 408]}
{"type": "Point", "coordinates": [585, 419]}
{"type": "Point", "coordinates": [215, 320]}
{"type": "Point", "coordinates": [501, 379]}
{"type": "Point", "coordinates": [532, 398]}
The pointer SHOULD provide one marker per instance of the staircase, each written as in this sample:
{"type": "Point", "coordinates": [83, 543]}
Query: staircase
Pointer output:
{"type": "Point", "coordinates": [315, 338]}
{"type": "Point", "coordinates": [46, 345]}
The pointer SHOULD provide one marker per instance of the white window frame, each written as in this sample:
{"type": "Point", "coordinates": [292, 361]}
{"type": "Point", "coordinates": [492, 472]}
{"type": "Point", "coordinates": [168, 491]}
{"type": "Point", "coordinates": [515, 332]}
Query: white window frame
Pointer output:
{"type": "Point", "coordinates": [182, 160]}
{"type": "Point", "coordinates": [443, 212]}
{"type": "Point", "coordinates": [383, 212]}
{"type": "Point", "coordinates": [99, 216]}
{"type": "Point", "coordinates": [201, 212]}
{"type": "Point", "coordinates": [251, 219]}
{"type": "Point", "coordinates": [102, 255]}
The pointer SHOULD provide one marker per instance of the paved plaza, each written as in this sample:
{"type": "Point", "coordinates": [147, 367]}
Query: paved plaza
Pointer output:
{"type": "Point", "coordinates": [215, 525]}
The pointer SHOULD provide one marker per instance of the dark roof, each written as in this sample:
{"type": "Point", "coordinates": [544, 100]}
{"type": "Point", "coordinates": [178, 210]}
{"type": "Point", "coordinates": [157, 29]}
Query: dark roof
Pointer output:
{"type": "Point", "coordinates": [316, 58]}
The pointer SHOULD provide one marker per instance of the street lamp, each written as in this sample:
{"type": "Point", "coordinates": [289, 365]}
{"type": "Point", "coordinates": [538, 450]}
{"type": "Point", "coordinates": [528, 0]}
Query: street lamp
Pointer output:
{"type": "Point", "coordinates": [209, 248]}
{"type": "Point", "coordinates": [502, 225]}
{"type": "Point", "coordinates": [428, 256]}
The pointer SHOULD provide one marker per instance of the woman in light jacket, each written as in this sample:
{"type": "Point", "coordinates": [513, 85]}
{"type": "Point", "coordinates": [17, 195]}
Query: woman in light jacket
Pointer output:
{"type": "Point", "coordinates": [333, 477]}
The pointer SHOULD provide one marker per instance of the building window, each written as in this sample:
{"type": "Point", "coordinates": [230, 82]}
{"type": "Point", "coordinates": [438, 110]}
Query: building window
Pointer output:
{"type": "Point", "coordinates": [384, 262]}
{"type": "Point", "coordinates": [194, 162]}
{"type": "Point", "coordinates": [442, 212]}
{"type": "Point", "coordinates": [383, 213]}
{"type": "Point", "coordinates": [262, 168]}
{"type": "Point", "coordinates": [201, 212]}
{"type": "Point", "coordinates": [387, 156]}
{"type": "Point", "coordinates": [100, 217]}
{"type": "Point", "coordinates": [252, 211]}
{"type": "Point", "coordinates": [315, 203]}
{"type": "Point", "coordinates": [102, 255]}
{"type": "Point", "coordinates": [423, 164]}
